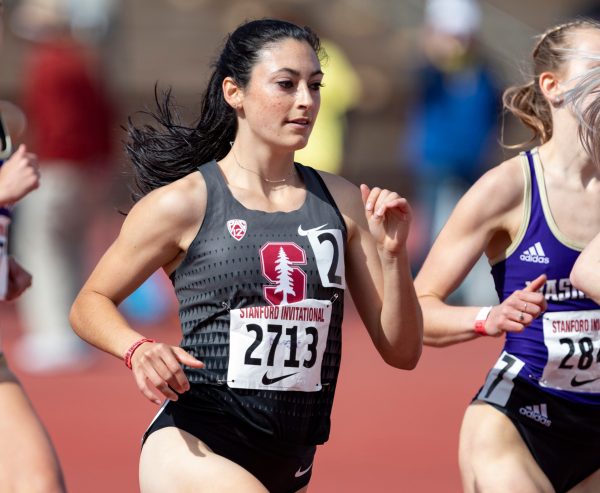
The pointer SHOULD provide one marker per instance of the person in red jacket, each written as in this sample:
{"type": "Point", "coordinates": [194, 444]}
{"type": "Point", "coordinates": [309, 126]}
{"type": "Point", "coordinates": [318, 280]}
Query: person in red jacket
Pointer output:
{"type": "Point", "coordinates": [69, 117]}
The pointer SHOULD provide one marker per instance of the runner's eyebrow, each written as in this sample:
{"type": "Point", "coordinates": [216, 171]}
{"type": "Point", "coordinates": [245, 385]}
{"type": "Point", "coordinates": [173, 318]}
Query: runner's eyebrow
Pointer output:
{"type": "Point", "coordinates": [296, 73]}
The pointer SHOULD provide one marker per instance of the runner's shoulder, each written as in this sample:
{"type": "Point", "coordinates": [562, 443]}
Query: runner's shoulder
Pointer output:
{"type": "Point", "coordinates": [501, 188]}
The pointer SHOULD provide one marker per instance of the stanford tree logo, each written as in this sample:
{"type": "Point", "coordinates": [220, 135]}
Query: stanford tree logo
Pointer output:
{"type": "Point", "coordinates": [280, 261]}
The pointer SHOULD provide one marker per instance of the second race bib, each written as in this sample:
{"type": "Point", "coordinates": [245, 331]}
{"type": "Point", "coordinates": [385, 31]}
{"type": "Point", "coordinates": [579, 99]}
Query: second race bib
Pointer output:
{"type": "Point", "coordinates": [573, 342]}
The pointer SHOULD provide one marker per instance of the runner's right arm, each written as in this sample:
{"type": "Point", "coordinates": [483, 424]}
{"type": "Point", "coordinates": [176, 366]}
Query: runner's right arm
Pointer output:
{"type": "Point", "coordinates": [155, 234]}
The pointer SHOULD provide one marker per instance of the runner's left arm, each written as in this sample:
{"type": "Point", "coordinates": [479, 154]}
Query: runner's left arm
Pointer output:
{"type": "Point", "coordinates": [378, 269]}
{"type": "Point", "coordinates": [490, 213]}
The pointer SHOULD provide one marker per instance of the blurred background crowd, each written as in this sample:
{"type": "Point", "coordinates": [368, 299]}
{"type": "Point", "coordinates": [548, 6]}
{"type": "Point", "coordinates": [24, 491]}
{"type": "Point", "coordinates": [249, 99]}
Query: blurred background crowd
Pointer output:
{"type": "Point", "coordinates": [412, 100]}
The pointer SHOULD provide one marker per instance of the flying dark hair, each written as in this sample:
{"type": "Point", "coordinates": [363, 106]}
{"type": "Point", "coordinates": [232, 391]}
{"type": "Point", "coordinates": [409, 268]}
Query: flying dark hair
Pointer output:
{"type": "Point", "coordinates": [167, 149]}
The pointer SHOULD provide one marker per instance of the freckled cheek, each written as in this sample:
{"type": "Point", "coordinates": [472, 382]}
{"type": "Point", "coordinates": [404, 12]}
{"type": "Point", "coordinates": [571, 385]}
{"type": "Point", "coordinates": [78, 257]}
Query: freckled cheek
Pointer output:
{"type": "Point", "coordinates": [275, 111]}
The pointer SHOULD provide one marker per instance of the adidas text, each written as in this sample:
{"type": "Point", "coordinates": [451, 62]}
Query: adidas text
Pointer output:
{"type": "Point", "coordinates": [535, 254]}
{"type": "Point", "coordinates": [534, 258]}
{"type": "Point", "coordinates": [537, 414]}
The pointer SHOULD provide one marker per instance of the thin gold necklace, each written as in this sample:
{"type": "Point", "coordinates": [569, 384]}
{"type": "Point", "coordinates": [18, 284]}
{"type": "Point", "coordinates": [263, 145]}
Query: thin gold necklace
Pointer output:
{"type": "Point", "coordinates": [268, 180]}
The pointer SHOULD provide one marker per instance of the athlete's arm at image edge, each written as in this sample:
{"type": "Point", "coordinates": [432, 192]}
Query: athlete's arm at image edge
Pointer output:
{"type": "Point", "coordinates": [585, 275]}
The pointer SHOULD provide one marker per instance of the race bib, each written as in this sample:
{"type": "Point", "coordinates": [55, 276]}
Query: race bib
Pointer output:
{"type": "Point", "coordinates": [328, 248]}
{"type": "Point", "coordinates": [499, 383]}
{"type": "Point", "coordinates": [573, 342]}
{"type": "Point", "coordinates": [278, 347]}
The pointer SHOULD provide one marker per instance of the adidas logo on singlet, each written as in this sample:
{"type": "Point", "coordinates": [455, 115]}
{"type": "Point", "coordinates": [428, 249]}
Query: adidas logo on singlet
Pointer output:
{"type": "Point", "coordinates": [537, 413]}
{"type": "Point", "coordinates": [535, 254]}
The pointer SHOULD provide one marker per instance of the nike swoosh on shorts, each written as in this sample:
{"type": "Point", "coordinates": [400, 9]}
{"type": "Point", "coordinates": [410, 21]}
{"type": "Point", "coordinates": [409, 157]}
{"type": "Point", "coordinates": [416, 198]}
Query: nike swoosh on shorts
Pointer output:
{"type": "Point", "coordinates": [301, 472]}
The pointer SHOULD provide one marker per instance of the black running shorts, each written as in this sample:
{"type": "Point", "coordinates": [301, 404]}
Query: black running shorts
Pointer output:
{"type": "Point", "coordinates": [563, 436]}
{"type": "Point", "coordinates": [280, 467]}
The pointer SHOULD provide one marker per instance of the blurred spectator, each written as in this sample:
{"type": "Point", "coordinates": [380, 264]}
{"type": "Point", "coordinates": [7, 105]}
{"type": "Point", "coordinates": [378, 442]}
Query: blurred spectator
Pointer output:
{"type": "Point", "coordinates": [451, 124]}
{"type": "Point", "coordinates": [70, 125]}
{"type": "Point", "coordinates": [341, 92]}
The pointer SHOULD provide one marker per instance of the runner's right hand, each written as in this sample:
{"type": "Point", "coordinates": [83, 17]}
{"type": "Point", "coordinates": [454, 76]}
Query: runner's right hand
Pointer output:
{"type": "Point", "coordinates": [518, 310]}
{"type": "Point", "coordinates": [158, 365]}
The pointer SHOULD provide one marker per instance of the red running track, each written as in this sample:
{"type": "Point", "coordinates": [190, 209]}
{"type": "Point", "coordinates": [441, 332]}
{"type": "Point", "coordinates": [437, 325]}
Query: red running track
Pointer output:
{"type": "Point", "coordinates": [393, 431]}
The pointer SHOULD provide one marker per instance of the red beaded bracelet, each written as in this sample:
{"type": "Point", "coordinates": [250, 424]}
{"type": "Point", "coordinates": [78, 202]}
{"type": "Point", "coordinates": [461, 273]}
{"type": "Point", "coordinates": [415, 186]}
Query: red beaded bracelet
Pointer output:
{"type": "Point", "coordinates": [131, 350]}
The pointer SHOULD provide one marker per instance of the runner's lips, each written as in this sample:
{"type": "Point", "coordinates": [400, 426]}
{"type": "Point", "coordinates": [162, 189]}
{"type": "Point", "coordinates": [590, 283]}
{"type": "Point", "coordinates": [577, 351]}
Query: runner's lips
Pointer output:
{"type": "Point", "coordinates": [300, 121]}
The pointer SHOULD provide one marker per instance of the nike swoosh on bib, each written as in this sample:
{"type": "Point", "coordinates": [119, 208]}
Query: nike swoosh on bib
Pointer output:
{"type": "Point", "coordinates": [579, 383]}
{"type": "Point", "coordinates": [301, 472]}
{"type": "Point", "coordinates": [268, 381]}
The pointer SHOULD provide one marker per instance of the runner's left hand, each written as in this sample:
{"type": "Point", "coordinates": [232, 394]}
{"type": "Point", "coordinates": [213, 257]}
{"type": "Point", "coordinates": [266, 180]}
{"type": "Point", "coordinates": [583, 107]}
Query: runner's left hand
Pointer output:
{"type": "Point", "coordinates": [388, 216]}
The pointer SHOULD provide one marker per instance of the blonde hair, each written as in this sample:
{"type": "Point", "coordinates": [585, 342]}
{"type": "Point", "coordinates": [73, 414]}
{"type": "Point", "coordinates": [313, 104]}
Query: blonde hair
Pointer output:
{"type": "Point", "coordinates": [526, 101]}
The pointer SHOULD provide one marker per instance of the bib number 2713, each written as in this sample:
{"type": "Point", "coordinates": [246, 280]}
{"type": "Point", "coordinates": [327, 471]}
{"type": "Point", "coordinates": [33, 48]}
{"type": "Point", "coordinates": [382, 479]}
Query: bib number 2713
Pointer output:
{"type": "Point", "coordinates": [278, 347]}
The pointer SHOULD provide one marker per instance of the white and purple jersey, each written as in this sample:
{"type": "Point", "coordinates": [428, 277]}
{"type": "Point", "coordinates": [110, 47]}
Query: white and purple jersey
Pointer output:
{"type": "Point", "coordinates": [561, 348]}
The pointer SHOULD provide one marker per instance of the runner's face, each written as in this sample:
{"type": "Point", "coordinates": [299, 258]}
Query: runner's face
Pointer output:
{"type": "Point", "coordinates": [585, 57]}
{"type": "Point", "coordinates": [282, 98]}
{"type": "Point", "coordinates": [584, 71]}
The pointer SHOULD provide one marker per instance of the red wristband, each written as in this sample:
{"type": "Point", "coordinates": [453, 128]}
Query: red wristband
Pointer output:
{"type": "Point", "coordinates": [132, 350]}
{"type": "Point", "coordinates": [480, 319]}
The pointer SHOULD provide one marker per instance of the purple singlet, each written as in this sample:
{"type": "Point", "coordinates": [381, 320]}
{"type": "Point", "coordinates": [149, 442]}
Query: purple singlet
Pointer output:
{"type": "Point", "coordinates": [561, 348]}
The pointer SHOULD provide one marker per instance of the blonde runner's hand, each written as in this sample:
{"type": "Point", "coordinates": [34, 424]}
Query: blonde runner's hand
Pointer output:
{"type": "Point", "coordinates": [518, 310]}
{"type": "Point", "coordinates": [19, 175]}
{"type": "Point", "coordinates": [388, 216]}
{"type": "Point", "coordinates": [158, 365]}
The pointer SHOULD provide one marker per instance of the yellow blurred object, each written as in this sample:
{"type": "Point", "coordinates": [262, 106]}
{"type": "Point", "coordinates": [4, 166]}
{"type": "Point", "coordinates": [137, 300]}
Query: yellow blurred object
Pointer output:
{"type": "Point", "coordinates": [342, 89]}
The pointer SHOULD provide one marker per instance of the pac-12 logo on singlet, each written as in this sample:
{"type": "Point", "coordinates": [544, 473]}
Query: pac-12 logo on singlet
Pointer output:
{"type": "Point", "coordinates": [237, 228]}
